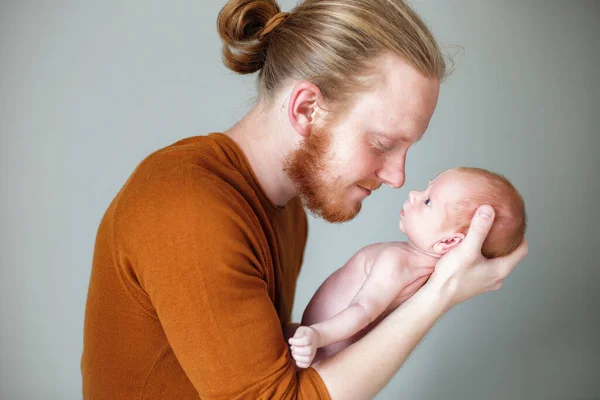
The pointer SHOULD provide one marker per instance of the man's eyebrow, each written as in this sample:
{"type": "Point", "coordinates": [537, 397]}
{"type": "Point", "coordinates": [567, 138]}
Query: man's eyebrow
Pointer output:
{"type": "Point", "coordinates": [392, 136]}
{"type": "Point", "coordinates": [386, 135]}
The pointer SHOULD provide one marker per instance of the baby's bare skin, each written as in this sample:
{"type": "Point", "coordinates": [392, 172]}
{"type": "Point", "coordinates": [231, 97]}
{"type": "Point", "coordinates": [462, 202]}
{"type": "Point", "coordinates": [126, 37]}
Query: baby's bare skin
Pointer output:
{"type": "Point", "coordinates": [382, 276]}
{"type": "Point", "coordinates": [373, 284]}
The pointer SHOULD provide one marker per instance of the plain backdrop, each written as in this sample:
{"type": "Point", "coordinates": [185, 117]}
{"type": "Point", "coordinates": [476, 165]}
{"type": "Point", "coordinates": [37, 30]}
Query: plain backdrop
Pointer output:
{"type": "Point", "coordinates": [89, 88]}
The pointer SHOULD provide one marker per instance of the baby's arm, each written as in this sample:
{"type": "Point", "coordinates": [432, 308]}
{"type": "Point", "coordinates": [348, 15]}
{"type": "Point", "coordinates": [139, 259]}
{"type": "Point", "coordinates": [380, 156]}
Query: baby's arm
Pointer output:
{"type": "Point", "coordinates": [386, 279]}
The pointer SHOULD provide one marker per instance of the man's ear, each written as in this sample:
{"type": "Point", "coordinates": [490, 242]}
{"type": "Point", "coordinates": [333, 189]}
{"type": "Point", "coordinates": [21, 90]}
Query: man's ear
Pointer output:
{"type": "Point", "coordinates": [304, 107]}
{"type": "Point", "coordinates": [448, 243]}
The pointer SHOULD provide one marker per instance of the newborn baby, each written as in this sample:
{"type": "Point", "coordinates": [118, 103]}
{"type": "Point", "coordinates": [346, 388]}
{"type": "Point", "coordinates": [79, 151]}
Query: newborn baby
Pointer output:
{"type": "Point", "coordinates": [374, 282]}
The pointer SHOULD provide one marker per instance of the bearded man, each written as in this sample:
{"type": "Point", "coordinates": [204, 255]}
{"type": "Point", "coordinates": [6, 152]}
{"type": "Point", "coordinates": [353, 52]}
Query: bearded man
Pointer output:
{"type": "Point", "coordinates": [197, 257]}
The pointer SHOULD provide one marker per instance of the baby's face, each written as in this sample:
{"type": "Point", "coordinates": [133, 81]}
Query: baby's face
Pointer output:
{"type": "Point", "coordinates": [424, 212]}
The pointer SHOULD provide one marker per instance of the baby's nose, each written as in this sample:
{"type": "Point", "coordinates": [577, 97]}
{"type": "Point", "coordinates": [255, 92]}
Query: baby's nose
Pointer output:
{"type": "Point", "coordinates": [412, 196]}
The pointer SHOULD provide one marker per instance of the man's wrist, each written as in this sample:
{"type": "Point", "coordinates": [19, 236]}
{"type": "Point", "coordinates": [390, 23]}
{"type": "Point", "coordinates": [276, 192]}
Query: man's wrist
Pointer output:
{"type": "Point", "coordinates": [439, 294]}
{"type": "Point", "coordinates": [433, 297]}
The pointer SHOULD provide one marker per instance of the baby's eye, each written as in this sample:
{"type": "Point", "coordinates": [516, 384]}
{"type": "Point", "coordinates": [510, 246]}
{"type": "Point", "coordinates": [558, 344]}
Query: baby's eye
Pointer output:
{"type": "Point", "coordinates": [428, 202]}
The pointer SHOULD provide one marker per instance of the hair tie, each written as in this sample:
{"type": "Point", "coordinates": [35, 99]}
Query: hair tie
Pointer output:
{"type": "Point", "coordinates": [273, 23]}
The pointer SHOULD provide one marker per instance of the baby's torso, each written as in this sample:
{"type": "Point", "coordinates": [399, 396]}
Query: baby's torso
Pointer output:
{"type": "Point", "coordinates": [336, 293]}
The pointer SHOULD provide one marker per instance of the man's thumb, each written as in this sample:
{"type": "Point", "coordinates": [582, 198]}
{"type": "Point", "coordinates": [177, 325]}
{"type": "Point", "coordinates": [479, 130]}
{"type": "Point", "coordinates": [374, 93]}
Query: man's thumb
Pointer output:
{"type": "Point", "coordinates": [480, 227]}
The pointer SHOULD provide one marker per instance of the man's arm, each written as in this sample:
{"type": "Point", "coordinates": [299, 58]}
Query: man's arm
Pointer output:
{"type": "Point", "coordinates": [196, 258]}
{"type": "Point", "coordinates": [461, 274]}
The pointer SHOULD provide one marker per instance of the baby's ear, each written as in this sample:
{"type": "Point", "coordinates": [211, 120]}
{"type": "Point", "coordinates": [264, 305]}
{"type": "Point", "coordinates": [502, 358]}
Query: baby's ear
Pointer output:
{"type": "Point", "coordinates": [448, 243]}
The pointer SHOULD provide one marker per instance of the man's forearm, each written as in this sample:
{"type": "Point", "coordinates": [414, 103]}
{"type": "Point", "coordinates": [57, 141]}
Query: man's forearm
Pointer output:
{"type": "Point", "coordinates": [349, 374]}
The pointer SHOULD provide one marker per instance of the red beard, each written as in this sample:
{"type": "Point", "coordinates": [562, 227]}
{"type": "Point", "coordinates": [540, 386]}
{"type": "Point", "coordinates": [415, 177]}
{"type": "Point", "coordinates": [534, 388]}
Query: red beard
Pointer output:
{"type": "Point", "coordinates": [306, 167]}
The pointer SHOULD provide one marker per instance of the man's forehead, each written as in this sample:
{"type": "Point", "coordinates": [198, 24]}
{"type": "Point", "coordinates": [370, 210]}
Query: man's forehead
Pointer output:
{"type": "Point", "coordinates": [400, 93]}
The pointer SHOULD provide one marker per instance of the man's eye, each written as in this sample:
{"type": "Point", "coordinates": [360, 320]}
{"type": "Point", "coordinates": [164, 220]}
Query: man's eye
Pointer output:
{"type": "Point", "coordinates": [382, 147]}
{"type": "Point", "coordinates": [428, 203]}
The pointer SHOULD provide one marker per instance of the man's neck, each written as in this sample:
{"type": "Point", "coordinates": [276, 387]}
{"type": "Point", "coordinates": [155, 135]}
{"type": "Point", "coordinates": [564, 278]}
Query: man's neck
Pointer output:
{"type": "Point", "coordinates": [261, 135]}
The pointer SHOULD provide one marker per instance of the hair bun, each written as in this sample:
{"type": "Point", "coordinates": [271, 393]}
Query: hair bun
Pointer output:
{"type": "Point", "coordinates": [273, 23]}
{"type": "Point", "coordinates": [242, 24]}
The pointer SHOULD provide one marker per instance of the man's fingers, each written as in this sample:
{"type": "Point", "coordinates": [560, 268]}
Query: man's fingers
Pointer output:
{"type": "Point", "coordinates": [508, 262]}
{"type": "Point", "coordinates": [480, 227]}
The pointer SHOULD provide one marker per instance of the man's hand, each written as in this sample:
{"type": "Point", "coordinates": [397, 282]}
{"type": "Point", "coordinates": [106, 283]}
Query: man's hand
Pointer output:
{"type": "Point", "coordinates": [464, 272]}
{"type": "Point", "coordinates": [304, 345]}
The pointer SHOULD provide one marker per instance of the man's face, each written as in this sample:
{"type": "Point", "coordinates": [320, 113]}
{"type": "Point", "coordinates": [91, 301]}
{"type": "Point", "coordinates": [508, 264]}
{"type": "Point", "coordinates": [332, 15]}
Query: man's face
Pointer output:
{"type": "Point", "coordinates": [338, 165]}
{"type": "Point", "coordinates": [424, 212]}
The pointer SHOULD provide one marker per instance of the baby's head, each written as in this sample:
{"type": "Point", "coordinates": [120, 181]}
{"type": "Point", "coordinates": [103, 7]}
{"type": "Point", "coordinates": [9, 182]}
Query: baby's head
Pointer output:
{"type": "Point", "coordinates": [438, 218]}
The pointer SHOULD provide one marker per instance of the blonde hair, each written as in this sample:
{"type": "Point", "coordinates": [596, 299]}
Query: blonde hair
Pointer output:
{"type": "Point", "coordinates": [510, 221]}
{"type": "Point", "coordinates": [331, 43]}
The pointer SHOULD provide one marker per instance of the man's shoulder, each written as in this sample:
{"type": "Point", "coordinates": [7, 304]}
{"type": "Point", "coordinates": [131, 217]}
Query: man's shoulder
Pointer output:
{"type": "Point", "coordinates": [180, 160]}
{"type": "Point", "coordinates": [189, 167]}
{"type": "Point", "coordinates": [183, 181]}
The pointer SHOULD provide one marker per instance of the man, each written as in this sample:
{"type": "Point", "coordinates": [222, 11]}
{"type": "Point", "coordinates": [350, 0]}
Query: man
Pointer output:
{"type": "Point", "coordinates": [197, 257]}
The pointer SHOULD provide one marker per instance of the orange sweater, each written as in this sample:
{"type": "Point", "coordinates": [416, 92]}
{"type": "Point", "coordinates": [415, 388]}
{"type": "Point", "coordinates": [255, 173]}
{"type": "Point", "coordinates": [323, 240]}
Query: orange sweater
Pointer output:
{"type": "Point", "coordinates": [194, 273]}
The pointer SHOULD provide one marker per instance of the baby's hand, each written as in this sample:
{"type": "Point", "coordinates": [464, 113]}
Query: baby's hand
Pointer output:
{"type": "Point", "coordinates": [304, 345]}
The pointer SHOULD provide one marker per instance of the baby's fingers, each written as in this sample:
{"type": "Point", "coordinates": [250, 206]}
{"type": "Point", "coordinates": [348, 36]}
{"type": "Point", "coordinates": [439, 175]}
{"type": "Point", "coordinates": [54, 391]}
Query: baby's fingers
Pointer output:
{"type": "Point", "coordinates": [302, 364]}
{"type": "Point", "coordinates": [302, 350]}
{"type": "Point", "coordinates": [300, 341]}
{"type": "Point", "coordinates": [303, 361]}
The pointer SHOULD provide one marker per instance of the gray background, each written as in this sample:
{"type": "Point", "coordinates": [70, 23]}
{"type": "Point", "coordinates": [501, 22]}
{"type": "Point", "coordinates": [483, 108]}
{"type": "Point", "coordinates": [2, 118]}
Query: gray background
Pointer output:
{"type": "Point", "coordinates": [87, 89]}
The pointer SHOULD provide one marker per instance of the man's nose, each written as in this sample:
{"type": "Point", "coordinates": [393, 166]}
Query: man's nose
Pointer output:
{"type": "Point", "coordinates": [393, 174]}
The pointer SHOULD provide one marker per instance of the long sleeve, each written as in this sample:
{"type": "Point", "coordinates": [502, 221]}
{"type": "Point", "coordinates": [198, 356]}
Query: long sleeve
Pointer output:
{"type": "Point", "coordinates": [192, 255]}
